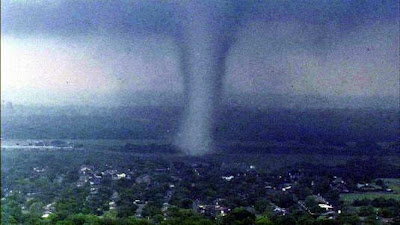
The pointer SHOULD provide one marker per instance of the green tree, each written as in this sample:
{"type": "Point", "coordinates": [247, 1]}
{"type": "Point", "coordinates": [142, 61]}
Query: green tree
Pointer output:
{"type": "Point", "coordinates": [367, 211]}
{"type": "Point", "coordinates": [389, 212]}
{"type": "Point", "coordinates": [186, 203]}
{"type": "Point", "coordinates": [185, 217]}
{"type": "Point", "coordinates": [261, 205]}
{"type": "Point", "coordinates": [371, 220]}
{"type": "Point", "coordinates": [348, 219]}
{"type": "Point", "coordinates": [285, 220]}
{"type": "Point", "coordinates": [239, 216]}
{"type": "Point", "coordinates": [263, 220]}
{"type": "Point", "coordinates": [36, 208]}
{"type": "Point", "coordinates": [306, 219]}
{"type": "Point", "coordinates": [312, 205]}
{"type": "Point", "coordinates": [325, 221]}
{"type": "Point", "coordinates": [11, 212]}
{"type": "Point", "coordinates": [112, 214]}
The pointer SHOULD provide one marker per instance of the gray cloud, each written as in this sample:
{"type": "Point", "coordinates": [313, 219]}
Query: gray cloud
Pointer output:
{"type": "Point", "coordinates": [293, 47]}
{"type": "Point", "coordinates": [323, 48]}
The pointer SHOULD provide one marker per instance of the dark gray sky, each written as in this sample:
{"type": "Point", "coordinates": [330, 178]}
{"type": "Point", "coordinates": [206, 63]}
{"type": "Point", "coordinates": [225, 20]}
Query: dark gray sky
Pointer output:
{"type": "Point", "coordinates": [88, 52]}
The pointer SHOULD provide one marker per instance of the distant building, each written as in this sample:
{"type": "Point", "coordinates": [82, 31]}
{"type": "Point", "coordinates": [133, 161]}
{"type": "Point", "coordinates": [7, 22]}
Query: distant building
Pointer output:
{"type": "Point", "coordinates": [325, 206]}
{"type": "Point", "coordinates": [228, 178]}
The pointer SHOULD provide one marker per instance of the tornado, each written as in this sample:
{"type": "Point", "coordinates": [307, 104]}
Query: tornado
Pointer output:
{"type": "Point", "coordinates": [204, 42]}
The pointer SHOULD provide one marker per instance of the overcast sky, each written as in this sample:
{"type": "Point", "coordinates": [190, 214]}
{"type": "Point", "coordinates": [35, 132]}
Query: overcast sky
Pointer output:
{"type": "Point", "coordinates": [88, 52]}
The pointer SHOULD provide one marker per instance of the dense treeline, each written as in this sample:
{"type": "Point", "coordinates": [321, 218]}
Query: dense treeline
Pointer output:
{"type": "Point", "coordinates": [239, 216]}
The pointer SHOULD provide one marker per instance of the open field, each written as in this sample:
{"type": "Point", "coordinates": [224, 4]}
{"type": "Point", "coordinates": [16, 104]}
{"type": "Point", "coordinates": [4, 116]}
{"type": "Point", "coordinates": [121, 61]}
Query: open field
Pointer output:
{"type": "Point", "coordinates": [393, 183]}
{"type": "Point", "coordinates": [368, 195]}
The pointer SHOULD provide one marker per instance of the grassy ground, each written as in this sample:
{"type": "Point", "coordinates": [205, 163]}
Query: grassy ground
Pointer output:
{"type": "Point", "coordinates": [393, 183]}
{"type": "Point", "coordinates": [368, 195]}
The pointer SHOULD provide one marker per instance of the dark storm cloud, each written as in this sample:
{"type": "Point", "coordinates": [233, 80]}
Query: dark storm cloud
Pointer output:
{"type": "Point", "coordinates": [80, 17]}
{"type": "Point", "coordinates": [69, 18]}
{"type": "Point", "coordinates": [333, 48]}
{"type": "Point", "coordinates": [270, 45]}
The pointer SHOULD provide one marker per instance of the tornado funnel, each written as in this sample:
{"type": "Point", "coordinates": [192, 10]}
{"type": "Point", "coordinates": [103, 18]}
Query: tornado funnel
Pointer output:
{"type": "Point", "coordinates": [203, 48]}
